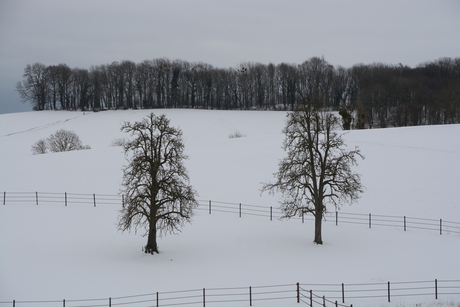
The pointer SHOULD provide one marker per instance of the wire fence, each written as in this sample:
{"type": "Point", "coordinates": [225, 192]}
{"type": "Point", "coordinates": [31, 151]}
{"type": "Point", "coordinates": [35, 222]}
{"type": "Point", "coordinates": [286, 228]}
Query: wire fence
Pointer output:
{"type": "Point", "coordinates": [239, 209]}
{"type": "Point", "coordinates": [386, 291]}
{"type": "Point", "coordinates": [65, 198]}
{"type": "Point", "coordinates": [305, 294]}
{"type": "Point", "coordinates": [403, 222]}
{"type": "Point", "coordinates": [309, 294]}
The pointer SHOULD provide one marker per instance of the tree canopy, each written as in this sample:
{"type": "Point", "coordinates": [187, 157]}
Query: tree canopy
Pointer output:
{"type": "Point", "coordinates": [156, 189]}
{"type": "Point", "coordinates": [317, 170]}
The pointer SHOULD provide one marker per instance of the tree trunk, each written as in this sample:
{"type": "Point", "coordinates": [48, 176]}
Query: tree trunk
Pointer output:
{"type": "Point", "coordinates": [318, 220]}
{"type": "Point", "coordinates": [152, 246]}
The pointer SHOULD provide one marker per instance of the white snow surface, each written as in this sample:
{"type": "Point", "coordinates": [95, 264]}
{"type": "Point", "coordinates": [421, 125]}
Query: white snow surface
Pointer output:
{"type": "Point", "coordinates": [52, 252]}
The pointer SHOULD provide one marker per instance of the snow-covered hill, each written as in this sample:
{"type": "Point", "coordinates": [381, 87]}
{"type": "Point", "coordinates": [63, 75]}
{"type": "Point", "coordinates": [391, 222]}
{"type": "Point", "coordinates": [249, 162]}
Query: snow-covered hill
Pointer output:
{"type": "Point", "coordinates": [55, 252]}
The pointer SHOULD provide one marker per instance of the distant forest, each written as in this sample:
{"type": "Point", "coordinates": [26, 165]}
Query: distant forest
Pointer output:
{"type": "Point", "coordinates": [374, 95]}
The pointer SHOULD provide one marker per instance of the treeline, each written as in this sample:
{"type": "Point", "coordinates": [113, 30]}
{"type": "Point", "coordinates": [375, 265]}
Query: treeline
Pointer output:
{"type": "Point", "coordinates": [375, 95]}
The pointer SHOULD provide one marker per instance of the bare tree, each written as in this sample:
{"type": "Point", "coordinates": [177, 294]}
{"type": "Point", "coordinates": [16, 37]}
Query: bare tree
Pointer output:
{"type": "Point", "coordinates": [156, 184]}
{"type": "Point", "coordinates": [64, 84]}
{"type": "Point", "coordinates": [317, 169]}
{"type": "Point", "coordinates": [35, 86]}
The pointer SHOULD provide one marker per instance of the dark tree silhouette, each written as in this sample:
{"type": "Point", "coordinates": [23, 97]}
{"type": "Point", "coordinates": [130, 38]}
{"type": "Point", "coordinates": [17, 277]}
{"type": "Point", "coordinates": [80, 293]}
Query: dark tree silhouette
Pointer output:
{"type": "Point", "coordinates": [375, 95]}
{"type": "Point", "coordinates": [317, 169]}
{"type": "Point", "coordinates": [35, 86]}
{"type": "Point", "coordinates": [156, 185]}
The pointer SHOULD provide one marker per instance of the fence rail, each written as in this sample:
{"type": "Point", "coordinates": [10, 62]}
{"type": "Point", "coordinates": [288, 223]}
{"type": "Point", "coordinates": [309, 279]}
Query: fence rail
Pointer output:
{"type": "Point", "coordinates": [240, 209]}
{"type": "Point", "coordinates": [386, 290]}
{"type": "Point", "coordinates": [65, 198]}
{"type": "Point", "coordinates": [309, 294]}
{"type": "Point", "coordinates": [305, 294]}
{"type": "Point", "coordinates": [403, 222]}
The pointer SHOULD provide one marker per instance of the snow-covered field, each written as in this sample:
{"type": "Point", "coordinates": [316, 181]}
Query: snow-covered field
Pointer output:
{"type": "Point", "coordinates": [53, 252]}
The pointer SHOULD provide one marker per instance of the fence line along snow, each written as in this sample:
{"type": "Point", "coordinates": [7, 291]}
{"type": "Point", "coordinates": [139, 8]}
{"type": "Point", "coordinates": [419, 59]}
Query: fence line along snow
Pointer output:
{"type": "Point", "coordinates": [305, 294]}
{"type": "Point", "coordinates": [65, 198]}
{"type": "Point", "coordinates": [241, 210]}
{"type": "Point", "coordinates": [403, 222]}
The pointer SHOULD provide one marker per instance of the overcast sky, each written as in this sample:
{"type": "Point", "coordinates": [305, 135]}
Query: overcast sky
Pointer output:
{"type": "Point", "coordinates": [222, 33]}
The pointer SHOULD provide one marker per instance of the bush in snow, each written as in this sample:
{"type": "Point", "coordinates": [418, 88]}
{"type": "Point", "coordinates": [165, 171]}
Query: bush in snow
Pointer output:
{"type": "Point", "coordinates": [236, 134]}
{"type": "Point", "coordinates": [64, 140]}
{"type": "Point", "coordinates": [40, 147]}
{"type": "Point", "coordinates": [61, 140]}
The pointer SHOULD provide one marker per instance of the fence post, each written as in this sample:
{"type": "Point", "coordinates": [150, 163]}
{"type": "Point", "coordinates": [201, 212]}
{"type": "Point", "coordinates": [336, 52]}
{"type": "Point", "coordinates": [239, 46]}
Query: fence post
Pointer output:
{"type": "Point", "coordinates": [343, 293]}
{"type": "Point", "coordinates": [36, 197]}
{"type": "Point", "coordinates": [110, 302]}
{"type": "Point", "coordinates": [311, 298]}
{"type": "Point", "coordinates": [324, 301]}
{"type": "Point", "coordinates": [4, 197]}
{"type": "Point", "coordinates": [404, 223]}
{"type": "Point", "coordinates": [94, 199]}
{"type": "Point", "coordinates": [14, 303]}
{"type": "Point", "coordinates": [271, 213]}
{"type": "Point", "coordinates": [240, 209]}
{"type": "Point", "coordinates": [250, 296]}
{"type": "Point", "coordinates": [436, 288]}
{"type": "Point", "coordinates": [336, 218]}
{"type": "Point", "coordinates": [158, 300]}
{"type": "Point", "coordinates": [388, 292]}
{"type": "Point", "coordinates": [63, 303]}
{"type": "Point", "coordinates": [440, 226]}
{"type": "Point", "coordinates": [65, 197]}
{"type": "Point", "coordinates": [298, 293]}
{"type": "Point", "coordinates": [370, 220]}
{"type": "Point", "coordinates": [303, 217]}
{"type": "Point", "coordinates": [209, 207]}
{"type": "Point", "coordinates": [204, 297]}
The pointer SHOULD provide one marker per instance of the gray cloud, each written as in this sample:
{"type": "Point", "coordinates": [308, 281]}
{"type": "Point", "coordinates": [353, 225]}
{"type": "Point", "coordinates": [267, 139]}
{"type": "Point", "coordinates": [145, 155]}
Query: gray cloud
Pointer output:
{"type": "Point", "coordinates": [222, 33]}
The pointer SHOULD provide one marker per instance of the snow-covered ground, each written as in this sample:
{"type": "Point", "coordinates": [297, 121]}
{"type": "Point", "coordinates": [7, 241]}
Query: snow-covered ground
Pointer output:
{"type": "Point", "coordinates": [52, 252]}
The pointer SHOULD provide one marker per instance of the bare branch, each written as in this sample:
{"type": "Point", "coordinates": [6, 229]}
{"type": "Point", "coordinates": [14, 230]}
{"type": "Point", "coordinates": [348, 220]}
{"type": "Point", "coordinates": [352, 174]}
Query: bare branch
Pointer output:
{"type": "Point", "coordinates": [317, 169]}
{"type": "Point", "coordinates": [156, 184]}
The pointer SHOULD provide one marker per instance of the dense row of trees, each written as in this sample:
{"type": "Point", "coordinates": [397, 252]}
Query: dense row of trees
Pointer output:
{"type": "Point", "coordinates": [375, 95]}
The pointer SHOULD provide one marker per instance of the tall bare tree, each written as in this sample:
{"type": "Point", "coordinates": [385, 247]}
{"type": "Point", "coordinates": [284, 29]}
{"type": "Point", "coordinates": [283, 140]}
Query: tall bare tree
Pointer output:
{"type": "Point", "coordinates": [35, 86]}
{"type": "Point", "coordinates": [157, 192]}
{"type": "Point", "coordinates": [317, 170]}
